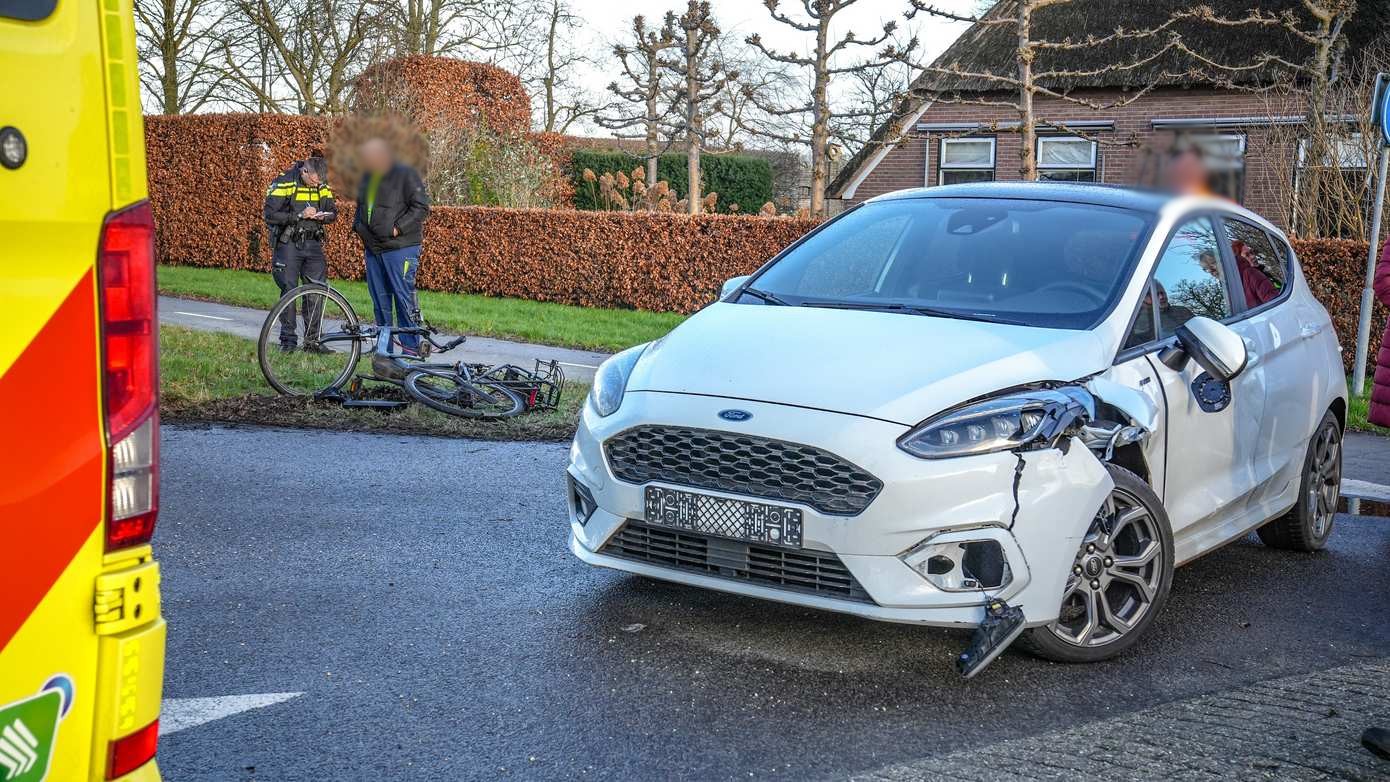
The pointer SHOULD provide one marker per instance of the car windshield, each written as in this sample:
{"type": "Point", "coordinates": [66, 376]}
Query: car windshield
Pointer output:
{"type": "Point", "coordinates": [1051, 264]}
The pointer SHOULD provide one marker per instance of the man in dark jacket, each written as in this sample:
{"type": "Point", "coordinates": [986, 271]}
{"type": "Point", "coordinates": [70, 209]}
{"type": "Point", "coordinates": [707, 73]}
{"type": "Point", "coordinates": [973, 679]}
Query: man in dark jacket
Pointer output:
{"type": "Point", "coordinates": [391, 208]}
{"type": "Point", "coordinates": [297, 206]}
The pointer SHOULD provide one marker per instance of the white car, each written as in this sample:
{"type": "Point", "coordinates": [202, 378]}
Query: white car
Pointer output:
{"type": "Point", "coordinates": [1014, 407]}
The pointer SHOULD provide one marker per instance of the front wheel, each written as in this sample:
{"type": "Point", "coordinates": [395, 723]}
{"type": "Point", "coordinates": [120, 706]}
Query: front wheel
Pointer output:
{"type": "Point", "coordinates": [332, 341]}
{"type": "Point", "coordinates": [1119, 581]}
{"type": "Point", "coordinates": [449, 393]}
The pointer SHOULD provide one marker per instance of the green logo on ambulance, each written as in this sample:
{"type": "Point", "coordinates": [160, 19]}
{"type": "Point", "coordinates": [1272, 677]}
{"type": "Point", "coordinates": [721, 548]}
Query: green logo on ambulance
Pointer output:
{"type": "Point", "coordinates": [29, 729]}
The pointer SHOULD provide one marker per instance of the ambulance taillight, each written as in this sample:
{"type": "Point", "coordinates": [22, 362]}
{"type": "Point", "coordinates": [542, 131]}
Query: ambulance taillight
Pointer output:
{"type": "Point", "coordinates": [130, 367]}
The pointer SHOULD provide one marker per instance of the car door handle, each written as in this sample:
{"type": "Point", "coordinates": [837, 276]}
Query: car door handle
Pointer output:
{"type": "Point", "coordinates": [1252, 356]}
{"type": "Point", "coordinates": [1310, 330]}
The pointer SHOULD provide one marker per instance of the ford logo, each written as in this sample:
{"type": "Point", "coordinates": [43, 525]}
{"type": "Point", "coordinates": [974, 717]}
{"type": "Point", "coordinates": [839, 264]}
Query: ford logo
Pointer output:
{"type": "Point", "coordinates": [735, 415]}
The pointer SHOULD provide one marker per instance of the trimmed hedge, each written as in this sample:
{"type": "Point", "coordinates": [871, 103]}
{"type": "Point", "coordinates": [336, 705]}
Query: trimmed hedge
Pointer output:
{"type": "Point", "coordinates": [443, 90]}
{"type": "Point", "coordinates": [208, 174]}
{"type": "Point", "coordinates": [738, 179]}
{"type": "Point", "coordinates": [1336, 271]}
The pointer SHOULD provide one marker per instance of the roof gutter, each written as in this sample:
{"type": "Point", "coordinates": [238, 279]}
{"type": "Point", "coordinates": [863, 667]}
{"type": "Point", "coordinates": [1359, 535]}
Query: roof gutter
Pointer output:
{"type": "Point", "coordinates": [1180, 123]}
{"type": "Point", "coordinates": [1013, 125]}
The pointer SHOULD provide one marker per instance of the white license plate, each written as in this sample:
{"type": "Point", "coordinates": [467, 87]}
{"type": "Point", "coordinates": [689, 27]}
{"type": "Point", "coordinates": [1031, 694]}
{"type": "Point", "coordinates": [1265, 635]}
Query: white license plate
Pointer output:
{"type": "Point", "coordinates": [755, 522]}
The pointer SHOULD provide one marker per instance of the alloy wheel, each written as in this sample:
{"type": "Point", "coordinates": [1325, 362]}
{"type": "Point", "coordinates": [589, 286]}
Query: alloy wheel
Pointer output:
{"type": "Point", "coordinates": [1116, 576]}
{"type": "Point", "coordinates": [1324, 479]}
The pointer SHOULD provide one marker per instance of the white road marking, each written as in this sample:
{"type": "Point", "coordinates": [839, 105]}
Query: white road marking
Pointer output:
{"type": "Point", "coordinates": [182, 713]}
{"type": "Point", "coordinates": [572, 364]}
{"type": "Point", "coordinates": [201, 315]}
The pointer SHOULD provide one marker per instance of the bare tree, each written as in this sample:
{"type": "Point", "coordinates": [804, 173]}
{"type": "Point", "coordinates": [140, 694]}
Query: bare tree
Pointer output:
{"type": "Point", "coordinates": [563, 101]}
{"type": "Point", "coordinates": [176, 40]}
{"type": "Point", "coordinates": [643, 90]}
{"type": "Point", "coordinates": [821, 69]}
{"type": "Point", "coordinates": [874, 94]}
{"type": "Point", "coordinates": [489, 30]}
{"type": "Point", "coordinates": [700, 77]}
{"type": "Point", "coordinates": [308, 52]}
{"type": "Point", "coordinates": [1028, 81]}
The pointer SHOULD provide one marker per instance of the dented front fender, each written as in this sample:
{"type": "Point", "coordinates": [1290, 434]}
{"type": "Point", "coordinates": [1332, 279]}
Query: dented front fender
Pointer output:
{"type": "Point", "coordinates": [1059, 492]}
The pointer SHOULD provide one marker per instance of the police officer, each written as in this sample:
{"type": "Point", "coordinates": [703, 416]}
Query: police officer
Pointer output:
{"type": "Point", "coordinates": [297, 206]}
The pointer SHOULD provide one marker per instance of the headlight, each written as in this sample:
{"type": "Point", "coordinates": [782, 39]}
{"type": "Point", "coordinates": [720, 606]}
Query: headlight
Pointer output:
{"type": "Point", "coordinates": [610, 381]}
{"type": "Point", "coordinates": [1005, 422]}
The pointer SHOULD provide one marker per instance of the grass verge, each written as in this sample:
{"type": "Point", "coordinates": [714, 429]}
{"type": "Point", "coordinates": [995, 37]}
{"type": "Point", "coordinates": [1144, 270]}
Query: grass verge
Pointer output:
{"type": "Point", "coordinates": [528, 321]}
{"type": "Point", "coordinates": [1359, 409]}
{"type": "Point", "coordinates": [213, 377]}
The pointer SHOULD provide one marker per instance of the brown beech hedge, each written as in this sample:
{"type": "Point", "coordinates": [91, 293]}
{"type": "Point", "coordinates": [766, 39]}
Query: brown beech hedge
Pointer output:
{"type": "Point", "coordinates": [208, 175]}
{"type": "Point", "coordinates": [1336, 271]}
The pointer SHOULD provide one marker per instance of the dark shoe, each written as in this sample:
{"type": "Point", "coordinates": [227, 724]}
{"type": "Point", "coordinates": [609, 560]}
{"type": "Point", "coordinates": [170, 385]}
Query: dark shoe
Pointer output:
{"type": "Point", "coordinates": [288, 347]}
{"type": "Point", "coordinates": [1377, 740]}
{"type": "Point", "coordinates": [318, 347]}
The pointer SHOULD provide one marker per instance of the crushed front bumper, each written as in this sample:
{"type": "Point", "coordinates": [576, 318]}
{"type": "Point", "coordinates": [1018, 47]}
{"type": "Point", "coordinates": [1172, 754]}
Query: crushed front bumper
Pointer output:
{"type": "Point", "coordinates": [1037, 506]}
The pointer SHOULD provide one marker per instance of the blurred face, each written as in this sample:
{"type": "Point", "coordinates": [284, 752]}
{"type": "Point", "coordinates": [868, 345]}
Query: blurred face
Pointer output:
{"type": "Point", "coordinates": [1208, 262]}
{"type": "Point", "coordinates": [1187, 174]}
{"type": "Point", "coordinates": [376, 155]}
{"type": "Point", "coordinates": [310, 176]}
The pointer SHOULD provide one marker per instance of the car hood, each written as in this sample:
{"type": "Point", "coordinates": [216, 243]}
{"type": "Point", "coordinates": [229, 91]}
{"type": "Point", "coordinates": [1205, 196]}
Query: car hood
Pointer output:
{"type": "Point", "coordinates": [891, 366]}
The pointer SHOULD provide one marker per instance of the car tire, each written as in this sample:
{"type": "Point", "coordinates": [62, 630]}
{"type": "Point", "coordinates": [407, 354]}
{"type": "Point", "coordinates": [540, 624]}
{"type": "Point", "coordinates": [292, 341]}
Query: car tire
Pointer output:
{"type": "Point", "coordinates": [1308, 525]}
{"type": "Point", "coordinates": [1141, 590]}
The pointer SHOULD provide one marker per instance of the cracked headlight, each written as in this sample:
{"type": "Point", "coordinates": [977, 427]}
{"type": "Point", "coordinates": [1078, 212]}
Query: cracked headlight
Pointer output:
{"type": "Point", "coordinates": [610, 381]}
{"type": "Point", "coordinates": [1015, 420]}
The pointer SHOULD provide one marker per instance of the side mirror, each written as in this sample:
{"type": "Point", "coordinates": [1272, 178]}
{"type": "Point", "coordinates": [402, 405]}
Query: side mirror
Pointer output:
{"type": "Point", "coordinates": [732, 283]}
{"type": "Point", "coordinates": [1215, 347]}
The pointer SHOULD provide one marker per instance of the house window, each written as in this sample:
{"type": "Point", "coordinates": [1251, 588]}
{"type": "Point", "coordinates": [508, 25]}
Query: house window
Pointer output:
{"type": "Point", "coordinates": [1224, 155]}
{"type": "Point", "coordinates": [1332, 196]}
{"type": "Point", "coordinates": [966, 160]}
{"type": "Point", "coordinates": [1066, 159]}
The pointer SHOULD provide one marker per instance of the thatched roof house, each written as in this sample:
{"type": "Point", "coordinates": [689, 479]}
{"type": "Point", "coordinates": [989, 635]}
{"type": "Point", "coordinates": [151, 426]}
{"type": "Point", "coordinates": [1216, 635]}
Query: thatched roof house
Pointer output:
{"type": "Point", "coordinates": [1215, 79]}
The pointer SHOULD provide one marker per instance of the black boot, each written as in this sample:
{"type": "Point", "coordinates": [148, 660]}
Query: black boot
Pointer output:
{"type": "Point", "coordinates": [1377, 740]}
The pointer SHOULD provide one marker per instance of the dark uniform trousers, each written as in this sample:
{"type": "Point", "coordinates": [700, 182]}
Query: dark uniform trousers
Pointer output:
{"type": "Point", "coordinates": [293, 264]}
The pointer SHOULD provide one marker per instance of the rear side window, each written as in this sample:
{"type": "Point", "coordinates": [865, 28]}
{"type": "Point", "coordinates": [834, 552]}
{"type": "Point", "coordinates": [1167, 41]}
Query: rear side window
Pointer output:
{"type": "Point", "coordinates": [1262, 269]}
{"type": "Point", "coordinates": [1188, 281]}
{"type": "Point", "coordinates": [27, 10]}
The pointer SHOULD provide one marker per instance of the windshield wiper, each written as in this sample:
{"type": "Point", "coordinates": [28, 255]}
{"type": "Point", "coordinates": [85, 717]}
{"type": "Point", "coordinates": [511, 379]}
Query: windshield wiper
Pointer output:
{"type": "Point", "coordinates": [767, 297]}
{"type": "Point", "coordinates": [914, 309]}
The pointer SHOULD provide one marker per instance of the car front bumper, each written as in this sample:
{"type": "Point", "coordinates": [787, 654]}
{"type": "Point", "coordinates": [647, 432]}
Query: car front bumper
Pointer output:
{"type": "Point", "coordinates": [1036, 505]}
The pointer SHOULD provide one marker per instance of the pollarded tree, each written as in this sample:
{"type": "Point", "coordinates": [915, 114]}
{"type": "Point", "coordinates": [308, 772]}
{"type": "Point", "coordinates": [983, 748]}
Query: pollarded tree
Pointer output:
{"type": "Point", "coordinates": [700, 77]}
{"type": "Point", "coordinates": [1027, 80]}
{"type": "Point", "coordinates": [821, 66]}
{"type": "Point", "coordinates": [644, 99]}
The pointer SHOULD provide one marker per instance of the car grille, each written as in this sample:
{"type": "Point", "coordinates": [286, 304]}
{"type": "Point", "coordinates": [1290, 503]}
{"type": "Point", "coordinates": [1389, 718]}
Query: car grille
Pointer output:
{"type": "Point", "coordinates": [755, 466]}
{"type": "Point", "coordinates": [811, 572]}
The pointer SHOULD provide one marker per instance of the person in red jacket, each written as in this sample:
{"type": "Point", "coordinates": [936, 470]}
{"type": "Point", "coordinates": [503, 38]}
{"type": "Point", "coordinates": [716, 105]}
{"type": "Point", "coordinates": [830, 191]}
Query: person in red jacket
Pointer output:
{"type": "Point", "coordinates": [1377, 740]}
{"type": "Point", "coordinates": [1258, 287]}
{"type": "Point", "coordinates": [1380, 390]}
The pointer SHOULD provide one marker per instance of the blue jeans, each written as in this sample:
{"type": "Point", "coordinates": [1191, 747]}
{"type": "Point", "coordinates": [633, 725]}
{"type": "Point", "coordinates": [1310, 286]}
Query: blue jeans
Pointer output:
{"type": "Point", "coordinates": [391, 283]}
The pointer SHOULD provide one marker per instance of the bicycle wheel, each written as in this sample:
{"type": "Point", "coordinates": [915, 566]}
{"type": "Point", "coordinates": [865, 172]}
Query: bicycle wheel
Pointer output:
{"type": "Point", "coordinates": [331, 346]}
{"type": "Point", "coordinates": [446, 391]}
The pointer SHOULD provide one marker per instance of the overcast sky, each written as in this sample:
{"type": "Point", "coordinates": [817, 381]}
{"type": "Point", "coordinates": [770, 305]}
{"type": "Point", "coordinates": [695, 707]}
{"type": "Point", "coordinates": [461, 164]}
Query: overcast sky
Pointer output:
{"type": "Point", "coordinates": [610, 20]}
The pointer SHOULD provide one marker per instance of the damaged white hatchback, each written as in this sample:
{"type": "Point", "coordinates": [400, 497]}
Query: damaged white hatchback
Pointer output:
{"type": "Point", "coordinates": [1009, 407]}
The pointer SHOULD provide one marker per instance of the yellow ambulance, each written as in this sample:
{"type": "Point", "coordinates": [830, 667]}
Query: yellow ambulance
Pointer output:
{"type": "Point", "coordinates": [81, 635]}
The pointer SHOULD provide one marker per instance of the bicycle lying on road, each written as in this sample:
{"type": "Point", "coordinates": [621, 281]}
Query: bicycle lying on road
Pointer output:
{"type": "Point", "coordinates": [336, 344]}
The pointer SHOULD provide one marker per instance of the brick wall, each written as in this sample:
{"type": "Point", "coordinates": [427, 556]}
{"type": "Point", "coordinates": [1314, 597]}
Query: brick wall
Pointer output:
{"type": "Point", "coordinates": [1121, 153]}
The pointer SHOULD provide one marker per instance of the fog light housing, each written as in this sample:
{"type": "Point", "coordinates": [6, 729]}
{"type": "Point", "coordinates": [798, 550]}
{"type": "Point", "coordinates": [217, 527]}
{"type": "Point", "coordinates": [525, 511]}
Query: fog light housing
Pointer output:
{"type": "Point", "coordinates": [961, 566]}
{"type": "Point", "coordinates": [581, 501]}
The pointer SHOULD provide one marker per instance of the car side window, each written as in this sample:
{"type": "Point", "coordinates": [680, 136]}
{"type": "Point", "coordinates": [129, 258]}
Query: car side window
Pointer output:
{"type": "Point", "coordinates": [1262, 269]}
{"type": "Point", "coordinates": [1189, 280]}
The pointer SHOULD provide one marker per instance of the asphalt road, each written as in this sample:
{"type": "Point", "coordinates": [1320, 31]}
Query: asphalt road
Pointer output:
{"type": "Point", "coordinates": [246, 322]}
{"type": "Point", "coordinates": [419, 595]}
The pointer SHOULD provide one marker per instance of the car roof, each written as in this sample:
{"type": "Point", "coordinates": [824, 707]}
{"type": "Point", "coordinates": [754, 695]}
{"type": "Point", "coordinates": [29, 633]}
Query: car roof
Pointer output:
{"type": "Point", "coordinates": [1083, 193]}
